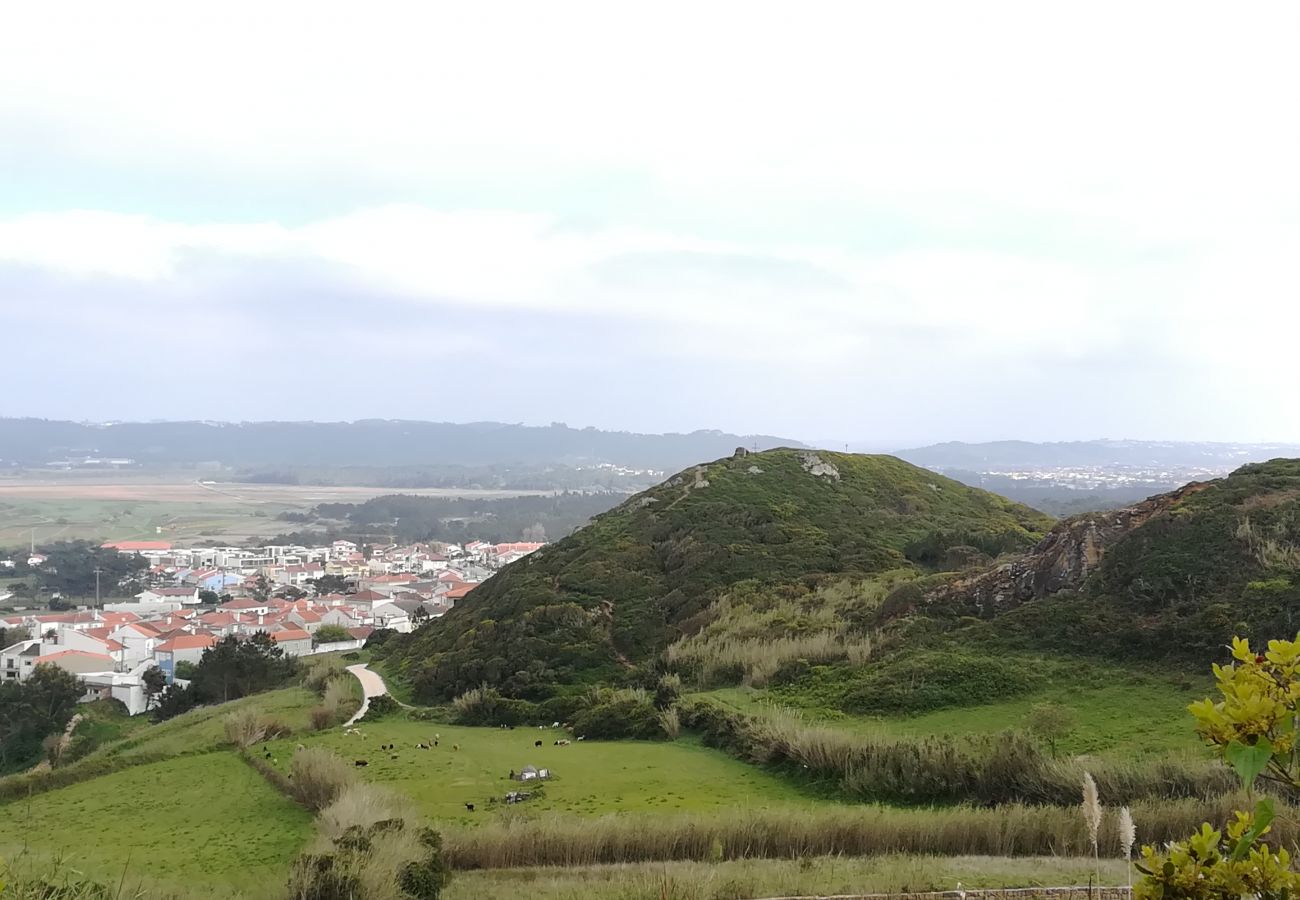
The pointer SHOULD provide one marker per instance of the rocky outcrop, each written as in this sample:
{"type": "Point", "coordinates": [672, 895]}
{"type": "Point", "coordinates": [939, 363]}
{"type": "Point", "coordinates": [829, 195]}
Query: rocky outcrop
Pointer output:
{"type": "Point", "coordinates": [1062, 560]}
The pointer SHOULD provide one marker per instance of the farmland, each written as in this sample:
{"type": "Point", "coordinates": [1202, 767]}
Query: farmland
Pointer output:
{"type": "Point", "coordinates": [181, 510]}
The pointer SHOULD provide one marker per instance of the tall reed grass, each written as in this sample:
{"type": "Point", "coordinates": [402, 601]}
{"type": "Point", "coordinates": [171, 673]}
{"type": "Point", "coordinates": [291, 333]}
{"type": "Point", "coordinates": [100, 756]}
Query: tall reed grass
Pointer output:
{"type": "Point", "coordinates": [991, 769]}
{"type": "Point", "coordinates": [1014, 830]}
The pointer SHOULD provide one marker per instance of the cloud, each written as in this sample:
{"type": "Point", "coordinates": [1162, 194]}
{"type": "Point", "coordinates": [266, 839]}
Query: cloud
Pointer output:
{"type": "Point", "coordinates": [917, 220]}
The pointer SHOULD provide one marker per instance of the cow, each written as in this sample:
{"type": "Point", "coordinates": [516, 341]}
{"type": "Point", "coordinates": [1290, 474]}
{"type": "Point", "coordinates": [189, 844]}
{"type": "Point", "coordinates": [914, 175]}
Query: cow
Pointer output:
{"type": "Point", "coordinates": [537, 743]}
{"type": "Point", "coordinates": [469, 806]}
{"type": "Point", "coordinates": [361, 762]}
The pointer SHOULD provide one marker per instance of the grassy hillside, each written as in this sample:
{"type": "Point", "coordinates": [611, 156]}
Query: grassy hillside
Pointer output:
{"type": "Point", "coordinates": [195, 824]}
{"type": "Point", "coordinates": [647, 573]}
{"type": "Point", "coordinates": [1215, 560]}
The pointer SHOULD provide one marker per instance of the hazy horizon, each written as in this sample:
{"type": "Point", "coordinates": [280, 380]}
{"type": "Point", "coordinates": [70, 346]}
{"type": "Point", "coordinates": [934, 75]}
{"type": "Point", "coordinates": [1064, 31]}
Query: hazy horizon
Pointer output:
{"type": "Point", "coordinates": [890, 225]}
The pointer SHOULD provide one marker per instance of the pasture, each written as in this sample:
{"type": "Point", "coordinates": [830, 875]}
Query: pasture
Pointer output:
{"type": "Point", "coordinates": [195, 824]}
{"type": "Point", "coordinates": [590, 778]}
{"type": "Point", "coordinates": [1118, 714]}
{"type": "Point", "coordinates": [130, 507]}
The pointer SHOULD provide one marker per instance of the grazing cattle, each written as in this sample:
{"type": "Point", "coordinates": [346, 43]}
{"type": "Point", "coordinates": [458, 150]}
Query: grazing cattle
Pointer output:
{"type": "Point", "coordinates": [301, 747]}
{"type": "Point", "coordinates": [537, 743]}
{"type": "Point", "coordinates": [469, 806]}
{"type": "Point", "coordinates": [455, 746]}
{"type": "Point", "coordinates": [563, 742]}
{"type": "Point", "coordinates": [582, 737]}
{"type": "Point", "coordinates": [361, 762]}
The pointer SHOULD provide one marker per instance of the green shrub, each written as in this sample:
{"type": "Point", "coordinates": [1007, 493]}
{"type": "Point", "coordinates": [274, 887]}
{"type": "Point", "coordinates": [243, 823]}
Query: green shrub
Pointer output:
{"type": "Point", "coordinates": [617, 714]}
{"type": "Point", "coordinates": [383, 705]}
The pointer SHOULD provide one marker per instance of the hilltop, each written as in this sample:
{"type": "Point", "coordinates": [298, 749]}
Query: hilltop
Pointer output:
{"type": "Point", "coordinates": [761, 528]}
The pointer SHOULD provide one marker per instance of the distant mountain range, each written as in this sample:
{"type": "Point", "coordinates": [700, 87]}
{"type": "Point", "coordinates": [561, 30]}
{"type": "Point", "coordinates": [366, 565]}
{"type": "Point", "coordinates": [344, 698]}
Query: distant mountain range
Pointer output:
{"type": "Point", "coordinates": [366, 443]}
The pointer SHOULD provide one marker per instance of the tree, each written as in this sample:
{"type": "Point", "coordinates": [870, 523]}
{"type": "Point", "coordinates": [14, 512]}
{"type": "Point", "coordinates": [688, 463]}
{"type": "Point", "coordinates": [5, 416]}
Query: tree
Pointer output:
{"type": "Point", "coordinates": [261, 589]}
{"type": "Point", "coordinates": [13, 634]}
{"type": "Point", "coordinates": [330, 584]}
{"type": "Point", "coordinates": [419, 616]}
{"type": "Point", "coordinates": [34, 709]}
{"type": "Point", "coordinates": [209, 598]}
{"type": "Point", "coordinates": [291, 592]}
{"type": "Point", "coordinates": [233, 668]}
{"type": "Point", "coordinates": [184, 670]}
{"type": "Point", "coordinates": [21, 589]}
{"type": "Point", "coordinates": [330, 634]}
{"type": "Point", "coordinates": [69, 568]}
{"type": "Point", "coordinates": [1050, 722]}
{"type": "Point", "coordinates": [155, 682]}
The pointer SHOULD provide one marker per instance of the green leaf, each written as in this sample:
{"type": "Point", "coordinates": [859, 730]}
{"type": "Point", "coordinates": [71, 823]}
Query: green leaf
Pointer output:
{"type": "Point", "coordinates": [1264, 815]}
{"type": "Point", "coordinates": [1248, 760]}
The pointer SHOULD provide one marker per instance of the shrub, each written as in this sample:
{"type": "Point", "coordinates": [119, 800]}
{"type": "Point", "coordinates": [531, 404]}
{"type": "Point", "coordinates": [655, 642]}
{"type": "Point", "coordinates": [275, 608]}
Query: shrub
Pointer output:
{"type": "Point", "coordinates": [485, 706]}
{"type": "Point", "coordinates": [319, 777]}
{"type": "Point", "coordinates": [320, 676]}
{"type": "Point", "coordinates": [322, 717]}
{"type": "Point", "coordinates": [383, 705]}
{"type": "Point", "coordinates": [614, 714]}
{"type": "Point", "coordinates": [352, 656]}
{"type": "Point", "coordinates": [670, 722]}
{"type": "Point", "coordinates": [247, 727]}
{"type": "Point", "coordinates": [336, 694]}
{"type": "Point", "coordinates": [371, 847]}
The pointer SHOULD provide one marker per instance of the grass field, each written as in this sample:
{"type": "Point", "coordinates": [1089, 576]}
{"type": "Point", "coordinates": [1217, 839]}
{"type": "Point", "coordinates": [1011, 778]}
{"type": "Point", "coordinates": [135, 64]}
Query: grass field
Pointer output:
{"type": "Point", "coordinates": [192, 824]}
{"type": "Point", "coordinates": [777, 877]}
{"type": "Point", "coordinates": [1118, 713]}
{"type": "Point", "coordinates": [131, 508]}
{"type": "Point", "coordinates": [590, 777]}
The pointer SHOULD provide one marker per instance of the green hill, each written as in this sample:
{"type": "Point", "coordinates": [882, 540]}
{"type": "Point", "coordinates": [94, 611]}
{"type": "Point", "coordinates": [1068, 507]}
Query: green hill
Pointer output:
{"type": "Point", "coordinates": [1172, 578]}
{"type": "Point", "coordinates": [765, 529]}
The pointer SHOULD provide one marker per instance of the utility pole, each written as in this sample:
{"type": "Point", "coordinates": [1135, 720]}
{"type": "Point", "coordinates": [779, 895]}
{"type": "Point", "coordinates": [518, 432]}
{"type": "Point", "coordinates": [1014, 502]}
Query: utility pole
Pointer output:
{"type": "Point", "coordinates": [97, 601]}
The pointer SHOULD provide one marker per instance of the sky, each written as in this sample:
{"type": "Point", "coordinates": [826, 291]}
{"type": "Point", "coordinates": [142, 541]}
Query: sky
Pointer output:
{"type": "Point", "coordinates": [877, 222]}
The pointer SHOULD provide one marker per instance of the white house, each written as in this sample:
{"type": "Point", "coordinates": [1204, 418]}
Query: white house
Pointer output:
{"type": "Point", "coordinates": [390, 615]}
{"type": "Point", "coordinates": [187, 596]}
{"type": "Point", "coordinates": [18, 660]}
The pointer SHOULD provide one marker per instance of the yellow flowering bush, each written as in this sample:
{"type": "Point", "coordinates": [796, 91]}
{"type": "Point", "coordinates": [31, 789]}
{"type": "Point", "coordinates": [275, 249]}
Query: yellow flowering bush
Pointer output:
{"type": "Point", "coordinates": [1253, 728]}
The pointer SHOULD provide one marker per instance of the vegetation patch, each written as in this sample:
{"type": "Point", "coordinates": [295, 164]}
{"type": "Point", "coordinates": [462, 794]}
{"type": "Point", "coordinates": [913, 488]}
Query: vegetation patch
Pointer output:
{"type": "Point", "coordinates": [232, 830]}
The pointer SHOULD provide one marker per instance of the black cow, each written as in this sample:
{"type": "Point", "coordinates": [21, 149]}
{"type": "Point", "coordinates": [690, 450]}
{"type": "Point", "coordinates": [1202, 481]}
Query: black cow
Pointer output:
{"type": "Point", "coordinates": [361, 762]}
{"type": "Point", "coordinates": [469, 806]}
{"type": "Point", "coordinates": [537, 743]}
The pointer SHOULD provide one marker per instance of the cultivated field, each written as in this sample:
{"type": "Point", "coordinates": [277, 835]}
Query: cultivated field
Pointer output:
{"type": "Point", "coordinates": [179, 510]}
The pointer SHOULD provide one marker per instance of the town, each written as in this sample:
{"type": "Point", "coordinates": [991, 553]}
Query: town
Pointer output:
{"type": "Point", "coordinates": [308, 600]}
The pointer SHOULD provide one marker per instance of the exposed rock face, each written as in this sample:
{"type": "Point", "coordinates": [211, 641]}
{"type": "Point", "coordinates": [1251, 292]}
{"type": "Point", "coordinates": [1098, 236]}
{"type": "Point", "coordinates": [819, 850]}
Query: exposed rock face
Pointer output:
{"type": "Point", "coordinates": [1062, 560]}
{"type": "Point", "coordinates": [815, 465]}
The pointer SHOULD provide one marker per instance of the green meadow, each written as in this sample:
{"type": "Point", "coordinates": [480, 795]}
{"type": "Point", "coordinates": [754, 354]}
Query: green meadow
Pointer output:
{"type": "Point", "coordinates": [588, 777]}
{"type": "Point", "coordinates": [193, 824]}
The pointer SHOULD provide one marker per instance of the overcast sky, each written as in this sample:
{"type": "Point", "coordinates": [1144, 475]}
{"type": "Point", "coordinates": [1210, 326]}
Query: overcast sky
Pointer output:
{"type": "Point", "coordinates": [880, 222]}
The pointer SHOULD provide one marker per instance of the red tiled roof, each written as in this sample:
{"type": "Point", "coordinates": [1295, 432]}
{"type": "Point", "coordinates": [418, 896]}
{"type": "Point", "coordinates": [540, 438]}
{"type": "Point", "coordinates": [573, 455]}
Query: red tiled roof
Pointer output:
{"type": "Point", "coordinates": [62, 653]}
{"type": "Point", "coordinates": [290, 634]}
{"type": "Point", "coordinates": [187, 642]}
{"type": "Point", "coordinates": [137, 545]}
{"type": "Point", "coordinates": [457, 593]}
{"type": "Point", "coordinates": [360, 632]}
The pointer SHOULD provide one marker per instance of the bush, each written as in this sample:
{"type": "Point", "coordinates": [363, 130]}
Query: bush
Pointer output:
{"type": "Point", "coordinates": [373, 848]}
{"type": "Point", "coordinates": [613, 714]}
{"type": "Point", "coordinates": [337, 693]}
{"type": "Point", "coordinates": [485, 706]}
{"type": "Point", "coordinates": [322, 717]}
{"type": "Point", "coordinates": [319, 777]}
{"type": "Point", "coordinates": [670, 722]}
{"type": "Point", "coordinates": [247, 727]}
{"type": "Point", "coordinates": [320, 676]}
{"type": "Point", "coordinates": [352, 656]}
{"type": "Point", "coordinates": [383, 705]}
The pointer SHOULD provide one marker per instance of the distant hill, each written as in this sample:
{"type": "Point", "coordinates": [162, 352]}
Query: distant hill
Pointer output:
{"type": "Point", "coordinates": [1011, 455]}
{"type": "Point", "coordinates": [1081, 476]}
{"type": "Point", "coordinates": [776, 525]}
{"type": "Point", "coordinates": [366, 443]}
